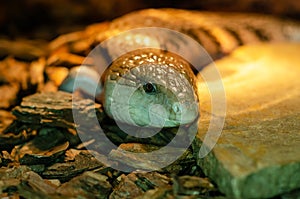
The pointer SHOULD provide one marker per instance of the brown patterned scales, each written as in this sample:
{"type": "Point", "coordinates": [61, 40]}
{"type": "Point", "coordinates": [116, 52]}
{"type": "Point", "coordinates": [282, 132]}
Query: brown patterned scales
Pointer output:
{"type": "Point", "coordinates": [131, 97]}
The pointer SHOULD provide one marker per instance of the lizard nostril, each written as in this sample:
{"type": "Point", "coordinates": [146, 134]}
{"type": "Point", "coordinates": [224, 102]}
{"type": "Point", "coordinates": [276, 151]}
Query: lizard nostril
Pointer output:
{"type": "Point", "coordinates": [177, 108]}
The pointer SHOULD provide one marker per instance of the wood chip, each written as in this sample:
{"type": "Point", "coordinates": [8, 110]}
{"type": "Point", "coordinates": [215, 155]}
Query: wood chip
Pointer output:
{"type": "Point", "coordinates": [88, 185]}
{"type": "Point", "coordinates": [55, 109]}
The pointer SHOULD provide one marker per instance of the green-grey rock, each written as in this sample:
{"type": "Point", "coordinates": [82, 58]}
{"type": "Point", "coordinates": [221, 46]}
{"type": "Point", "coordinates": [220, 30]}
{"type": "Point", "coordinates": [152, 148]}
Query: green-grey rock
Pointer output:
{"type": "Point", "coordinates": [258, 152]}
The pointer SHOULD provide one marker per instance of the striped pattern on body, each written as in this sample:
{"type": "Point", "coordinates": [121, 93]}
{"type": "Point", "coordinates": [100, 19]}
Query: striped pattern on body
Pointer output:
{"type": "Point", "coordinates": [218, 33]}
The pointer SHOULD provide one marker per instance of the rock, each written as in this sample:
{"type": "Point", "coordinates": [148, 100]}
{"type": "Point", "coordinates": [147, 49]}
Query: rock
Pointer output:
{"type": "Point", "coordinates": [76, 162]}
{"type": "Point", "coordinates": [37, 186]}
{"type": "Point", "coordinates": [14, 172]}
{"type": "Point", "coordinates": [257, 154]}
{"type": "Point", "coordinates": [80, 42]}
{"type": "Point", "coordinates": [88, 185]}
{"type": "Point", "coordinates": [14, 134]}
{"type": "Point", "coordinates": [154, 185]}
{"type": "Point", "coordinates": [21, 181]}
{"type": "Point", "coordinates": [45, 148]}
{"type": "Point", "coordinates": [131, 155]}
{"type": "Point", "coordinates": [56, 109]}
{"type": "Point", "coordinates": [135, 184]}
{"type": "Point", "coordinates": [10, 179]}
{"type": "Point", "coordinates": [295, 194]}
{"type": "Point", "coordinates": [192, 185]}
{"type": "Point", "coordinates": [160, 192]}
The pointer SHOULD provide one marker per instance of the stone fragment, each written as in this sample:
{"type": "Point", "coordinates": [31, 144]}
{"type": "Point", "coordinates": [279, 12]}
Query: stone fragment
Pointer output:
{"type": "Point", "coordinates": [185, 187]}
{"type": "Point", "coordinates": [258, 152]}
{"type": "Point", "coordinates": [88, 185]}
{"type": "Point", "coordinates": [14, 134]}
{"type": "Point", "coordinates": [20, 182]}
{"type": "Point", "coordinates": [14, 172]}
{"type": "Point", "coordinates": [10, 178]}
{"type": "Point", "coordinates": [37, 184]}
{"type": "Point", "coordinates": [131, 156]}
{"type": "Point", "coordinates": [135, 184]}
{"type": "Point", "coordinates": [76, 162]}
{"type": "Point", "coordinates": [161, 192]}
{"type": "Point", "coordinates": [192, 185]}
{"type": "Point", "coordinates": [295, 194]}
{"type": "Point", "coordinates": [45, 148]}
{"type": "Point", "coordinates": [55, 109]}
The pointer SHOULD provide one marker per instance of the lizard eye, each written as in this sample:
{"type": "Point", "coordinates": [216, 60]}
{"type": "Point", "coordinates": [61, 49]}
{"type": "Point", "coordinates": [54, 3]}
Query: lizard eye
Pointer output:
{"type": "Point", "coordinates": [149, 88]}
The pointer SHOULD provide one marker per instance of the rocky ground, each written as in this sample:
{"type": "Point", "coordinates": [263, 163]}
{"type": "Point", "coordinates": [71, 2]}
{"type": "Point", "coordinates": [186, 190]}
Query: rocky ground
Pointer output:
{"type": "Point", "coordinates": [42, 155]}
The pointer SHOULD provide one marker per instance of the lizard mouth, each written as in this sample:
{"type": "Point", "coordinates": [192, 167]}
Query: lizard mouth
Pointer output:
{"type": "Point", "coordinates": [184, 116]}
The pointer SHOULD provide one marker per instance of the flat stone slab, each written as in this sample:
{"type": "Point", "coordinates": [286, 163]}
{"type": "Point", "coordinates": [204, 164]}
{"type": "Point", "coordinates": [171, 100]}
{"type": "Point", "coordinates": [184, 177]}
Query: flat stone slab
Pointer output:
{"type": "Point", "coordinates": [56, 109]}
{"type": "Point", "coordinates": [258, 152]}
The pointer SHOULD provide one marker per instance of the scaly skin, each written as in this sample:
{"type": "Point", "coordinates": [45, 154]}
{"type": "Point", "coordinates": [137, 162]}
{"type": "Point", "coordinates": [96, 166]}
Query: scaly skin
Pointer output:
{"type": "Point", "coordinates": [219, 33]}
{"type": "Point", "coordinates": [174, 82]}
{"type": "Point", "coordinates": [125, 98]}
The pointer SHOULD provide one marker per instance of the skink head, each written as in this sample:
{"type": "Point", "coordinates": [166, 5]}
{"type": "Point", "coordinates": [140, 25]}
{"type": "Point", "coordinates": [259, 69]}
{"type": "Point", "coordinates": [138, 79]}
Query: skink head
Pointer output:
{"type": "Point", "coordinates": [151, 88]}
